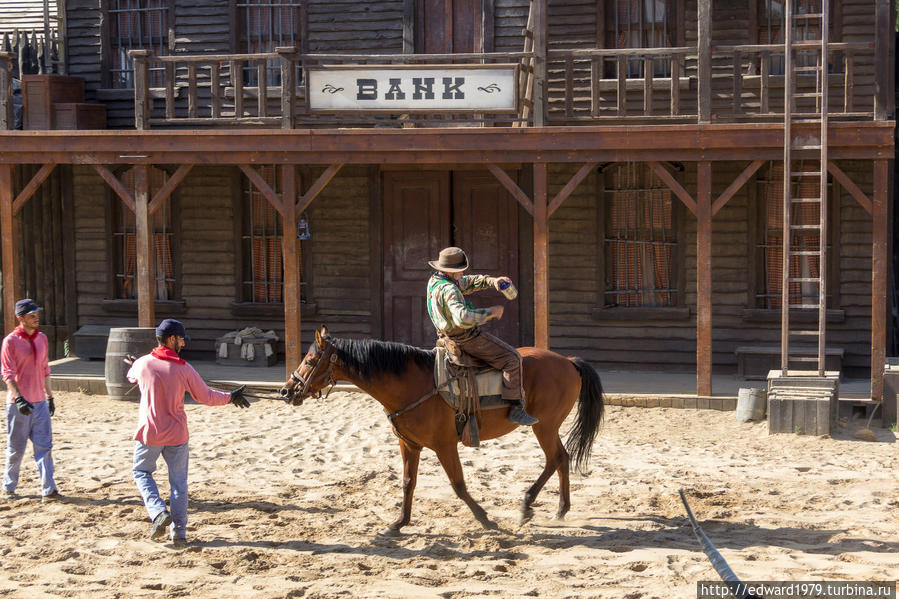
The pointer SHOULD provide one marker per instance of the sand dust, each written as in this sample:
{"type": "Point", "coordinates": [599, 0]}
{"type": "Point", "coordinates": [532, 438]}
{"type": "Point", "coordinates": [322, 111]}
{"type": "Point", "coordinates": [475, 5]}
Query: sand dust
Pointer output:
{"type": "Point", "coordinates": [287, 502]}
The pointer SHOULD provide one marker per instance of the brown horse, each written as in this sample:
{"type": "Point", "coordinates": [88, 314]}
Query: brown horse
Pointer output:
{"type": "Point", "coordinates": [401, 378]}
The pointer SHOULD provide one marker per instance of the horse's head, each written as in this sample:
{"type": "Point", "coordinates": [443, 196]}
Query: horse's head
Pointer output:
{"type": "Point", "coordinates": [314, 373]}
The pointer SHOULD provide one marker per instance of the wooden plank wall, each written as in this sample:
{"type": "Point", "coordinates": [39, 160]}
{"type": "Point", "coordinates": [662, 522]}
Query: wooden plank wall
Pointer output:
{"type": "Point", "coordinates": [25, 15]}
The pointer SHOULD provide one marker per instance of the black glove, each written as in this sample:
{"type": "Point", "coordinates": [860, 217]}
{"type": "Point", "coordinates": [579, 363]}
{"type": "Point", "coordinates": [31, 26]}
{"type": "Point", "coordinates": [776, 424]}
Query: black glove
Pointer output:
{"type": "Point", "coordinates": [25, 408]}
{"type": "Point", "coordinates": [51, 407]}
{"type": "Point", "coordinates": [238, 399]}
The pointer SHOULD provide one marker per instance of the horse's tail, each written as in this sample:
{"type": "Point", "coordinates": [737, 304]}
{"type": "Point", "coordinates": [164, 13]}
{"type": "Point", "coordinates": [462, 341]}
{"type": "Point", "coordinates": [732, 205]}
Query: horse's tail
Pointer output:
{"type": "Point", "coordinates": [589, 416]}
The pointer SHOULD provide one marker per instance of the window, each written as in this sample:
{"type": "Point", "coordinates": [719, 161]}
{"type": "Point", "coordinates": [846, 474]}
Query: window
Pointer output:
{"type": "Point", "coordinates": [771, 31]}
{"type": "Point", "coordinates": [262, 269]}
{"type": "Point", "coordinates": [262, 26]}
{"type": "Point", "coordinates": [124, 254]}
{"type": "Point", "coordinates": [640, 238]}
{"type": "Point", "coordinates": [136, 25]}
{"type": "Point", "coordinates": [639, 24]}
{"type": "Point", "coordinates": [770, 244]}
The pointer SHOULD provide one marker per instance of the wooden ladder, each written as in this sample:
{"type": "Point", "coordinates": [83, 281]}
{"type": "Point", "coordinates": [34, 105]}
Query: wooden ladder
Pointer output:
{"type": "Point", "coordinates": [803, 18]}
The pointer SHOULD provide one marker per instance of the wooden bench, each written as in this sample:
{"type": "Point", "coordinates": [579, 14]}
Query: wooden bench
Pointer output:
{"type": "Point", "coordinates": [754, 361]}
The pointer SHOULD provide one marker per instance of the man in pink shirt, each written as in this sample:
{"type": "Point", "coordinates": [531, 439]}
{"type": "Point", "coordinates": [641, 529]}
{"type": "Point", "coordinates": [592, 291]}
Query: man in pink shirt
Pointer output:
{"type": "Point", "coordinates": [29, 401]}
{"type": "Point", "coordinates": [163, 378]}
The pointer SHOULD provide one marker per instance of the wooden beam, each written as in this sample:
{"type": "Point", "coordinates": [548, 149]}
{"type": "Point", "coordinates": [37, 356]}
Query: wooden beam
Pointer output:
{"type": "Point", "coordinates": [673, 185]}
{"type": "Point", "coordinates": [512, 187]}
{"type": "Point", "coordinates": [170, 185]}
{"type": "Point", "coordinates": [540, 43]}
{"type": "Point", "coordinates": [569, 188]}
{"type": "Point", "coordinates": [704, 279]}
{"type": "Point", "coordinates": [316, 188]}
{"type": "Point", "coordinates": [541, 258]}
{"type": "Point", "coordinates": [9, 246]}
{"type": "Point", "coordinates": [291, 256]}
{"type": "Point", "coordinates": [734, 187]}
{"type": "Point", "coordinates": [26, 193]}
{"type": "Point", "coordinates": [263, 187]}
{"type": "Point", "coordinates": [879, 277]}
{"type": "Point", "coordinates": [884, 98]}
{"type": "Point", "coordinates": [144, 247]}
{"type": "Point", "coordinates": [850, 186]}
{"type": "Point", "coordinates": [704, 59]}
{"type": "Point", "coordinates": [116, 185]}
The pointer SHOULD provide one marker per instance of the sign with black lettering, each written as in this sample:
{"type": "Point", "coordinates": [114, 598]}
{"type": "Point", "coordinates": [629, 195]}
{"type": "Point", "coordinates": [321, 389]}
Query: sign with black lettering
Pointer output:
{"type": "Point", "coordinates": [401, 88]}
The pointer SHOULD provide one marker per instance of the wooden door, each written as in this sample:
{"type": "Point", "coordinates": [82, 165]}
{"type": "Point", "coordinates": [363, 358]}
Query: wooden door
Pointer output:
{"type": "Point", "coordinates": [448, 26]}
{"type": "Point", "coordinates": [485, 225]}
{"type": "Point", "coordinates": [416, 228]}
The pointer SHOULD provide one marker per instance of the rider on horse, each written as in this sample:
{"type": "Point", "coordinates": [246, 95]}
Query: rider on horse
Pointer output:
{"type": "Point", "coordinates": [459, 323]}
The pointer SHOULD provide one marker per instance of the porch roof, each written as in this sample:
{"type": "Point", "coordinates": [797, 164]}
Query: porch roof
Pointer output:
{"type": "Point", "coordinates": [689, 142]}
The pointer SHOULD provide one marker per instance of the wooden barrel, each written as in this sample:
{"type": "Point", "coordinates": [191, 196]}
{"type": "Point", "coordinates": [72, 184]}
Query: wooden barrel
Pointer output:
{"type": "Point", "coordinates": [125, 340]}
{"type": "Point", "coordinates": [751, 404]}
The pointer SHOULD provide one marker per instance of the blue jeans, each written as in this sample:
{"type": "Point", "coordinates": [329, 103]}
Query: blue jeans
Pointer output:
{"type": "Point", "coordinates": [176, 458]}
{"type": "Point", "coordinates": [21, 428]}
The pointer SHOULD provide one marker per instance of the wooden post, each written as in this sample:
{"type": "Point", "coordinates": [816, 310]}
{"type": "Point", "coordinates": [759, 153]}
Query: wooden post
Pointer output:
{"type": "Point", "coordinates": [879, 277]}
{"type": "Point", "coordinates": [288, 86]}
{"type": "Point", "coordinates": [704, 45]}
{"type": "Point", "coordinates": [290, 252]}
{"type": "Point", "coordinates": [539, 62]}
{"type": "Point", "coordinates": [883, 65]}
{"type": "Point", "coordinates": [9, 248]}
{"type": "Point", "coordinates": [144, 247]}
{"type": "Point", "coordinates": [141, 89]}
{"type": "Point", "coordinates": [541, 257]}
{"type": "Point", "coordinates": [7, 120]}
{"type": "Point", "coordinates": [704, 279]}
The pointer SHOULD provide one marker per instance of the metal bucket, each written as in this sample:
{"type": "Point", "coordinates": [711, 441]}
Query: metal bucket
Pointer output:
{"type": "Point", "coordinates": [137, 341]}
{"type": "Point", "coordinates": [751, 404]}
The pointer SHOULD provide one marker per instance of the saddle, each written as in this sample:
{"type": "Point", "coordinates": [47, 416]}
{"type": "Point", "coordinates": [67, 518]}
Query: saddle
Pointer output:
{"type": "Point", "coordinates": [468, 386]}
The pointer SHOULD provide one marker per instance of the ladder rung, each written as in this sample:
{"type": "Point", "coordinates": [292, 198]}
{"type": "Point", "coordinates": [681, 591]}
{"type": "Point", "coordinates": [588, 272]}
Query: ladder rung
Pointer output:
{"type": "Point", "coordinates": [807, 95]}
{"type": "Point", "coordinates": [804, 200]}
{"type": "Point", "coordinates": [806, 147]}
{"type": "Point", "coordinates": [805, 174]}
{"type": "Point", "coordinates": [808, 15]}
{"type": "Point", "coordinates": [804, 306]}
{"type": "Point", "coordinates": [806, 69]}
{"type": "Point", "coordinates": [802, 358]}
{"type": "Point", "coordinates": [805, 227]}
{"type": "Point", "coordinates": [804, 279]}
{"type": "Point", "coordinates": [803, 333]}
{"type": "Point", "coordinates": [805, 253]}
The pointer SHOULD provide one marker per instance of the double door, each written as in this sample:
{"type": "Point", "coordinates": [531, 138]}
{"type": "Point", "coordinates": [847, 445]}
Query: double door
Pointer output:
{"type": "Point", "coordinates": [425, 211]}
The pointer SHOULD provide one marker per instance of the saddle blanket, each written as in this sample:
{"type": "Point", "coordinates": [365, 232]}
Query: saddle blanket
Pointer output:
{"type": "Point", "coordinates": [490, 384]}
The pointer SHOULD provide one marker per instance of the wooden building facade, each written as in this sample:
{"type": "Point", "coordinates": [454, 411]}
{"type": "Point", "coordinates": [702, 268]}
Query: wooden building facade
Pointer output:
{"type": "Point", "coordinates": [635, 194]}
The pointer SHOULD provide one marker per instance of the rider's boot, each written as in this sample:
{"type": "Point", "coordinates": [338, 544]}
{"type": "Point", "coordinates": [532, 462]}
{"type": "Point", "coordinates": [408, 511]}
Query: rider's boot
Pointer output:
{"type": "Point", "coordinates": [518, 415]}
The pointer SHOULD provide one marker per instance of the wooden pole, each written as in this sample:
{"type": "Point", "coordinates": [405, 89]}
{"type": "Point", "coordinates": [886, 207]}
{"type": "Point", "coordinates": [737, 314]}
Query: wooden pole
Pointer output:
{"type": "Point", "coordinates": [144, 247]}
{"type": "Point", "coordinates": [9, 245]}
{"type": "Point", "coordinates": [879, 278]}
{"type": "Point", "coordinates": [704, 279]}
{"type": "Point", "coordinates": [541, 258]}
{"type": "Point", "coordinates": [6, 106]}
{"type": "Point", "coordinates": [704, 45]}
{"type": "Point", "coordinates": [883, 64]}
{"type": "Point", "coordinates": [290, 251]}
{"type": "Point", "coordinates": [539, 62]}
{"type": "Point", "coordinates": [287, 55]}
{"type": "Point", "coordinates": [141, 88]}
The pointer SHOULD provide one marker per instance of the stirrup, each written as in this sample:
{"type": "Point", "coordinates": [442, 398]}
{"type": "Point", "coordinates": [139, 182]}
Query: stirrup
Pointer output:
{"type": "Point", "coordinates": [518, 415]}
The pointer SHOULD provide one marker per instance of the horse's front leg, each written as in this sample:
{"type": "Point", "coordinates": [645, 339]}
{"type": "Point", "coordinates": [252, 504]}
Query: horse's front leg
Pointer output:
{"type": "Point", "coordinates": [410, 477]}
{"type": "Point", "coordinates": [449, 459]}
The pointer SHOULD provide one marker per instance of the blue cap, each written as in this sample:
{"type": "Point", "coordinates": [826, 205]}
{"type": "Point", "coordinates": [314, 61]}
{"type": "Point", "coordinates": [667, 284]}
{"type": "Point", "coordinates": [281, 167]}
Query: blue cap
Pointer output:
{"type": "Point", "coordinates": [169, 327]}
{"type": "Point", "coordinates": [26, 306]}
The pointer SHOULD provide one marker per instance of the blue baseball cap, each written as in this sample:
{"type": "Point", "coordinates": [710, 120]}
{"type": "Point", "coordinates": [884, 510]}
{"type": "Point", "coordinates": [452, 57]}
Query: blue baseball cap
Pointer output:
{"type": "Point", "coordinates": [169, 327]}
{"type": "Point", "coordinates": [26, 306]}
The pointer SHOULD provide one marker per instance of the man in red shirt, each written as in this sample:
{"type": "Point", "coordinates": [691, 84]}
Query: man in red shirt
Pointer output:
{"type": "Point", "coordinates": [164, 378]}
{"type": "Point", "coordinates": [29, 400]}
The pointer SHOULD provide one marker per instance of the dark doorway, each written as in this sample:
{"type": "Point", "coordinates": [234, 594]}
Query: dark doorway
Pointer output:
{"type": "Point", "coordinates": [425, 211]}
{"type": "Point", "coordinates": [448, 26]}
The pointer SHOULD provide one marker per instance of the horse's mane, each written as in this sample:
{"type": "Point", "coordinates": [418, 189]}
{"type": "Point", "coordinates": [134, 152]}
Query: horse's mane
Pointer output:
{"type": "Point", "coordinates": [369, 357]}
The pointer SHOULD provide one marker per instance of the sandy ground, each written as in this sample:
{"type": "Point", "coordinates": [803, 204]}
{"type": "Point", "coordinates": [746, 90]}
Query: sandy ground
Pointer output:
{"type": "Point", "coordinates": [287, 502]}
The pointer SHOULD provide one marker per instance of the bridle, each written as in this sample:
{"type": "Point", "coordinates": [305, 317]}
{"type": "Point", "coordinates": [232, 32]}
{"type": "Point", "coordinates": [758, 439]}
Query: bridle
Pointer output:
{"type": "Point", "coordinates": [328, 358]}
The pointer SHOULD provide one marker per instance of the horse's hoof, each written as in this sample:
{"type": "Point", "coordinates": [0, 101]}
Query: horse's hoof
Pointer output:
{"type": "Point", "coordinates": [489, 524]}
{"type": "Point", "coordinates": [525, 516]}
{"type": "Point", "coordinates": [559, 517]}
{"type": "Point", "coordinates": [390, 531]}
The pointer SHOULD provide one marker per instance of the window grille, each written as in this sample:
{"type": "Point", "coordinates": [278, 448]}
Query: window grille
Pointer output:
{"type": "Point", "coordinates": [136, 25]}
{"type": "Point", "coordinates": [125, 243]}
{"type": "Point", "coordinates": [263, 268]}
{"type": "Point", "coordinates": [640, 24]}
{"type": "Point", "coordinates": [264, 25]}
{"type": "Point", "coordinates": [771, 193]}
{"type": "Point", "coordinates": [640, 238]}
{"type": "Point", "coordinates": [771, 31]}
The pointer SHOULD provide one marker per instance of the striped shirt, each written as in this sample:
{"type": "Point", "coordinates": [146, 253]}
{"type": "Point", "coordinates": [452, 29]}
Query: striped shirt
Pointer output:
{"type": "Point", "coordinates": [448, 309]}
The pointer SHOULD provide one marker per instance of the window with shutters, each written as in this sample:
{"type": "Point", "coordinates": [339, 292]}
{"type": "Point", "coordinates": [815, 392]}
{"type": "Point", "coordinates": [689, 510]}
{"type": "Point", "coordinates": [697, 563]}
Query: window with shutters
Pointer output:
{"type": "Point", "coordinates": [262, 26]}
{"type": "Point", "coordinates": [136, 25]}
{"type": "Point", "coordinates": [640, 243]}
{"type": "Point", "coordinates": [165, 273]}
{"type": "Point", "coordinates": [262, 270]}
{"type": "Point", "coordinates": [640, 24]}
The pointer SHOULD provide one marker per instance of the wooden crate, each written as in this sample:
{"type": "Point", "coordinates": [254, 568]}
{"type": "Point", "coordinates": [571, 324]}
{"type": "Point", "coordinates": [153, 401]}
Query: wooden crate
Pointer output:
{"type": "Point", "coordinates": [79, 115]}
{"type": "Point", "coordinates": [40, 92]}
{"type": "Point", "coordinates": [805, 405]}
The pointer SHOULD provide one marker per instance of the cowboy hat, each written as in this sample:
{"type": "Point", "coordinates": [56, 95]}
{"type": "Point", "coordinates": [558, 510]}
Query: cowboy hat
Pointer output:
{"type": "Point", "coordinates": [452, 259]}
